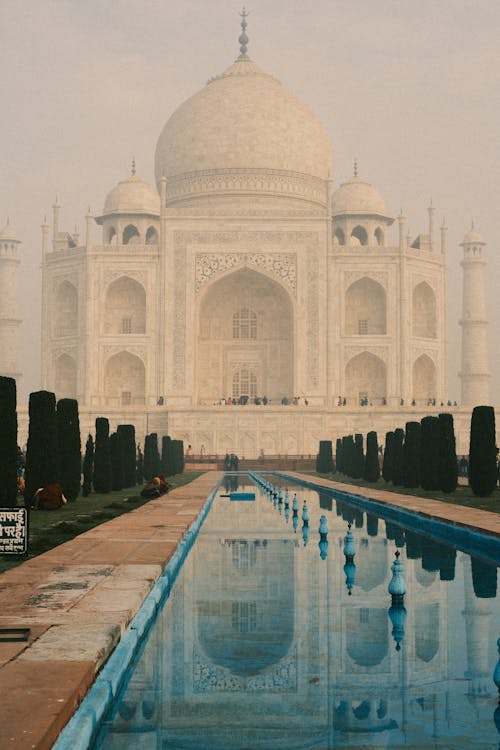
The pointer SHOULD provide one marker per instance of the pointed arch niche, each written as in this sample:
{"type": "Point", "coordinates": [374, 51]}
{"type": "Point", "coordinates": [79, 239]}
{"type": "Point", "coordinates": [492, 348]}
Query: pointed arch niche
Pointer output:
{"type": "Point", "coordinates": [365, 308]}
{"type": "Point", "coordinates": [245, 325]}
{"type": "Point", "coordinates": [65, 377]}
{"type": "Point", "coordinates": [66, 311]}
{"type": "Point", "coordinates": [125, 380]}
{"type": "Point", "coordinates": [424, 311]}
{"type": "Point", "coordinates": [125, 307]}
{"type": "Point", "coordinates": [424, 379]}
{"type": "Point", "coordinates": [365, 378]}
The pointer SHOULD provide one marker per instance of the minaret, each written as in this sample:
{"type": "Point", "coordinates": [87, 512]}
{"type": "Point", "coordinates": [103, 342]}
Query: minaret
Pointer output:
{"type": "Point", "coordinates": [475, 374]}
{"type": "Point", "coordinates": [9, 303]}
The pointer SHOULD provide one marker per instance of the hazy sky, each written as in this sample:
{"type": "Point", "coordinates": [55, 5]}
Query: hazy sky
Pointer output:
{"type": "Point", "coordinates": [410, 87]}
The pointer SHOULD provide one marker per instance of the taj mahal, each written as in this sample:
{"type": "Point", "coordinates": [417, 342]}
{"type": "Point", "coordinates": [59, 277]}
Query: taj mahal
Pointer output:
{"type": "Point", "coordinates": [246, 302]}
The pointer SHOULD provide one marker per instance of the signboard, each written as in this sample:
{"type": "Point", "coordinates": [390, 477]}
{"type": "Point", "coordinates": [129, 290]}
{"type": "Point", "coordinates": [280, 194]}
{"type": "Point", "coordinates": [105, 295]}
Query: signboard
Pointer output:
{"type": "Point", "coordinates": [13, 531]}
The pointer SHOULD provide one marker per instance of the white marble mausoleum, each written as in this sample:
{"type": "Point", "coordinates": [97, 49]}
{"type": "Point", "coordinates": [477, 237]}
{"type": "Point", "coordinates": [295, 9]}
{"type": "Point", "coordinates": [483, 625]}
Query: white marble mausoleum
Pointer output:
{"type": "Point", "coordinates": [245, 270]}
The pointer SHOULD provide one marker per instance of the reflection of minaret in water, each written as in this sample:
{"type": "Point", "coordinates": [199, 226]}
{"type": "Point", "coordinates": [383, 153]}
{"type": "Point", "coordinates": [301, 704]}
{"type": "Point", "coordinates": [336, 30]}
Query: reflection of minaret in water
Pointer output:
{"type": "Point", "coordinates": [477, 614]}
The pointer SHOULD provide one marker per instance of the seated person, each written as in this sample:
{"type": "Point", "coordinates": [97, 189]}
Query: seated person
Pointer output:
{"type": "Point", "coordinates": [50, 497]}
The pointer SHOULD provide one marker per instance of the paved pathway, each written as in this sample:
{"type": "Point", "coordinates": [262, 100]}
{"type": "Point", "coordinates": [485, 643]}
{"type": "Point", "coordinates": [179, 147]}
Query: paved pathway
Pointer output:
{"type": "Point", "coordinates": [79, 598]}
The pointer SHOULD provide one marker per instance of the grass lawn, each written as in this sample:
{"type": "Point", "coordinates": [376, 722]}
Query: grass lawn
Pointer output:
{"type": "Point", "coordinates": [49, 528]}
{"type": "Point", "coordinates": [463, 495]}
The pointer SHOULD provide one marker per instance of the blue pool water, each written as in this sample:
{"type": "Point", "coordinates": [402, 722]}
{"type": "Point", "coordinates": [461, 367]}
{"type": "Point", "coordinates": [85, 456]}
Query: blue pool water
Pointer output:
{"type": "Point", "coordinates": [271, 638]}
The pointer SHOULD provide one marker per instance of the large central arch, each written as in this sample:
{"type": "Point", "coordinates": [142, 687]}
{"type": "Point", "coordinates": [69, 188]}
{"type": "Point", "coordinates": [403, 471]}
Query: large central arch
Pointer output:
{"type": "Point", "coordinates": [245, 339]}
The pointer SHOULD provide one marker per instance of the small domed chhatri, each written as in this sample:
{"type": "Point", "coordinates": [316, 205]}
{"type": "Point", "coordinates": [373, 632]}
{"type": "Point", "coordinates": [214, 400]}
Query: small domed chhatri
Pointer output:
{"type": "Point", "coordinates": [8, 232]}
{"type": "Point", "coordinates": [358, 197]}
{"type": "Point", "coordinates": [132, 196]}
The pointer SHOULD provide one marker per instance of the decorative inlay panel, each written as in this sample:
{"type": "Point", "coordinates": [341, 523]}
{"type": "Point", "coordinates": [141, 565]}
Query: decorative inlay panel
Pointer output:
{"type": "Point", "coordinates": [281, 265]}
{"type": "Point", "coordinates": [352, 276]}
{"type": "Point", "coordinates": [377, 351]}
{"type": "Point", "coordinates": [269, 181]}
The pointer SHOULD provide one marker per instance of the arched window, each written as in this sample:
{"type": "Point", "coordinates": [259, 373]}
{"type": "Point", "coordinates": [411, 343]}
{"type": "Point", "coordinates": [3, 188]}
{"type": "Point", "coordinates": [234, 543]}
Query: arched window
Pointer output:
{"type": "Point", "coordinates": [66, 310]}
{"type": "Point", "coordinates": [359, 233]}
{"type": "Point", "coordinates": [65, 380]}
{"type": "Point", "coordinates": [131, 235]}
{"type": "Point", "coordinates": [365, 308]}
{"type": "Point", "coordinates": [125, 380]}
{"type": "Point", "coordinates": [125, 307]}
{"type": "Point", "coordinates": [151, 236]}
{"type": "Point", "coordinates": [379, 236]}
{"type": "Point", "coordinates": [365, 378]}
{"type": "Point", "coordinates": [424, 311]}
{"type": "Point", "coordinates": [339, 236]}
{"type": "Point", "coordinates": [424, 379]}
{"type": "Point", "coordinates": [112, 236]}
{"type": "Point", "coordinates": [244, 383]}
{"type": "Point", "coordinates": [244, 324]}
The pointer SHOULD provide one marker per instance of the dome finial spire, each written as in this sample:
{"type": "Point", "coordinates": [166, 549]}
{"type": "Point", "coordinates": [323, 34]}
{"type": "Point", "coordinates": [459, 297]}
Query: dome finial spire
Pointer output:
{"type": "Point", "coordinates": [133, 166]}
{"type": "Point", "coordinates": [243, 38]}
{"type": "Point", "coordinates": [355, 166]}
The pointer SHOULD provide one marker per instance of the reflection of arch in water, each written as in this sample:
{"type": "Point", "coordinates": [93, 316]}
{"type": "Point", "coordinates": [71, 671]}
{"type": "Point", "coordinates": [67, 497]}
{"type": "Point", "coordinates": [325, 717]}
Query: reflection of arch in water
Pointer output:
{"type": "Point", "coordinates": [253, 631]}
{"type": "Point", "coordinates": [371, 570]}
{"type": "Point", "coordinates": [427, 631]}
{"type": "Point", "coordinates": [367, 636]}
{"type": "Point", "coordinates": [424, 577]}
{"type": "Point", "coordinates": [65, 381]}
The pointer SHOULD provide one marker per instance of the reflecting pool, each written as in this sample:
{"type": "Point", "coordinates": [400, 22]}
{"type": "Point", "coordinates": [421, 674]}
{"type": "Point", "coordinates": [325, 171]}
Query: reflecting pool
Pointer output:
{"type": "Point", "coordinates": [275, 636]}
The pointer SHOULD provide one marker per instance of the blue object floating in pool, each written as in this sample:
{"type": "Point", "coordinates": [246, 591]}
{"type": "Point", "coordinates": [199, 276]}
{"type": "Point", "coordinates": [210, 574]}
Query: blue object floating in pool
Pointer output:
{"type": "Point", "coordinates": [242, 495]}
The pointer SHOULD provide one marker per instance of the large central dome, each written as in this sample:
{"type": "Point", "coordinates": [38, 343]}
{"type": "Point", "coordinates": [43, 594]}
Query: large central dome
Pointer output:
{"type": "Point", "coordinates": [243, 132]}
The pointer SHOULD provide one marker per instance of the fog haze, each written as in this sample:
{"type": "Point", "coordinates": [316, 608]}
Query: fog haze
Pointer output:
{"type": "Point", "coordinates": [409, 89]}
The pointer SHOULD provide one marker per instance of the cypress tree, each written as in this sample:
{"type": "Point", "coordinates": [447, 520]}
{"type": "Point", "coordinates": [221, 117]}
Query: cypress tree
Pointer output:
{"type": "Point", "coordinates": [8, 443]}
{"type": "Point", "coordinates": [178, 455]}
{"type": "Point", "coordinates": [127, 432]}
{"type": "Point", "coordinates": [359, 459]}
{"type": "Point", "coordinates": [116, 449]}
{"type": "Point", "coordinates": [151, 457]}
{"type": "Point", "coordinates": [88, 467]}
{"type": "Point", "coordinates": [429, 453]}
{"type": "Point", "coordinates": [412, 455]}
{"type": "Point", "coordinates": [324, 459]}
{"type": "Point", "coordinates": [139, 466]}
{"type": "Point", "coordinates": [372, 468]}
{"type": "Point", "coordinates": [387, 466]}
{"type": "Point", "coordinates": [102, 478]}
{"type": "Point", "coordinates": [483, 451]}
{"type": "Point", "coordinates": [348, 452]}
{"type": "Point", "coordinates": [42, 453]}
{"type": "Point", "coordinates": [338, 455]}
{"type": "Point", "coordinates": [165, 455]}
{"type": "Point", "coordinates": [70, 447]}
{"type": "Point", "coordinates": [448, 469]}
{"type": "Point", "coordinates": [398, 465]}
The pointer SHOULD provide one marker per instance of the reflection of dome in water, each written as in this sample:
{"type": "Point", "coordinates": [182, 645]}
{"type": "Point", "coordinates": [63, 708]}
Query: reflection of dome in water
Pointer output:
{"type": "Point", "coordinates": [242, 120]}
{"type": "Point", "coordinates": [252, 632]}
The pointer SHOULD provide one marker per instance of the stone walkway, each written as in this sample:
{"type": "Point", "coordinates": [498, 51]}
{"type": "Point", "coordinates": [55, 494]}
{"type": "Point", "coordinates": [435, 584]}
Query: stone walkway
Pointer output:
{"type": "Point", "coordinates": [79, 598]}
